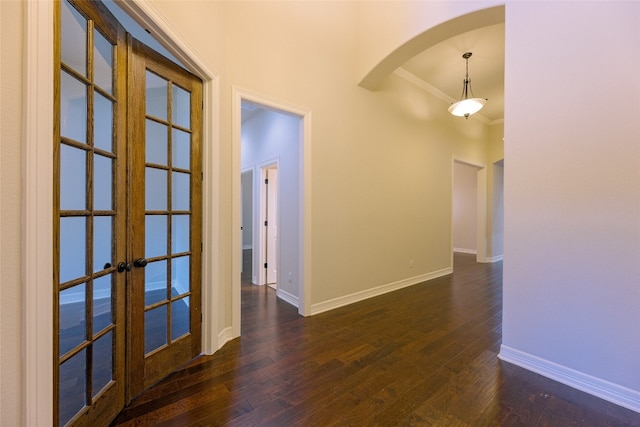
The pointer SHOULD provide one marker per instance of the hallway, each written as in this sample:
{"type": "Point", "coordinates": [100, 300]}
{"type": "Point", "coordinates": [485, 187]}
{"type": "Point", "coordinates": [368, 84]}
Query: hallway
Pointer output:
{"type": "Point", "coordinates": [423, 355]}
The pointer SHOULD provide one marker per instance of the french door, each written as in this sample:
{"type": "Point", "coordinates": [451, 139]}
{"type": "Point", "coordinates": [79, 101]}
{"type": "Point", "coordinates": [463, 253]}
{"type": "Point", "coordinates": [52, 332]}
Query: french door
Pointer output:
{"type": "Point", "coordinates": [127, 215]}
{"type": "Point", "coordinates": [165, 219]}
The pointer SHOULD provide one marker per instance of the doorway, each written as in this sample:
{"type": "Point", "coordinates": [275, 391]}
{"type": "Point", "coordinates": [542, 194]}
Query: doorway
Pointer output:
{"type": "Point", "coordinates": [127, 209]}
{"type": "Point", "coordinates": [271, 143]}
{"type": "Point", "coordinates": [469, 209]}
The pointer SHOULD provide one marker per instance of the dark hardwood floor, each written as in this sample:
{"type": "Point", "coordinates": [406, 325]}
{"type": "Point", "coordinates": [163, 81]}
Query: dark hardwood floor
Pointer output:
{"type": "Point", "coordinates": [421, 356]}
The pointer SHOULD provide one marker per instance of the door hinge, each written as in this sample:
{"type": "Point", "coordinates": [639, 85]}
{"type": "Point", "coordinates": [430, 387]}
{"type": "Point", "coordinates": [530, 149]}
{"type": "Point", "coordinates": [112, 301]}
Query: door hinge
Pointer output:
{"type": "Point", "coordinates": [265, 265]}
{"type": "Point", "coordinates": [266, 223]}
{"type": "Point", "coordinates": [266, 181]}
{"type": "Point", "coordinates": [202, 175]}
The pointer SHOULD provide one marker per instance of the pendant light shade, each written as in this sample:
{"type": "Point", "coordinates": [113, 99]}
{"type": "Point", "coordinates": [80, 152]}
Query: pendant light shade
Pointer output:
{"type": "Point", "coordinates": [467, 105]}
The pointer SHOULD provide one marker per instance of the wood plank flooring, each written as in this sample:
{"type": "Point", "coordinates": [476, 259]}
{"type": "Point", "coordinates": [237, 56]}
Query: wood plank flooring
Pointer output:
{"type": "Point", "coordinates": [421, 356]}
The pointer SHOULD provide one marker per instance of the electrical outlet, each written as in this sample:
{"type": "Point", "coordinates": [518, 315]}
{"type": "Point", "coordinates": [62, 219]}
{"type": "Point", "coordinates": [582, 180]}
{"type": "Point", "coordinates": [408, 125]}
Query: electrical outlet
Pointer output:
{"type": "Point", "coordinates": [410, 263]}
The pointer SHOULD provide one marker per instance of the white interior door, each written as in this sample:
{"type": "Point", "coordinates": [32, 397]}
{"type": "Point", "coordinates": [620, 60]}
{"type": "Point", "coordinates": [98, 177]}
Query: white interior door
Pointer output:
{"type": "Point", "coordinates": [272, 227]}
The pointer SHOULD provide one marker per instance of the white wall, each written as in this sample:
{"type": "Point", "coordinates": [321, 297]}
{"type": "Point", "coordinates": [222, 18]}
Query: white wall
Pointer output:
{"type": "Point", "coordinates": [572, 199]}
{"type": "Point", "coordinates": [271, 136]}
{"type": "Point", "coordinates": [497, 211]}
{"type": "Point", "coordinates": [247, 210]}
{"type": "Point", "coordinates": [465, 207]}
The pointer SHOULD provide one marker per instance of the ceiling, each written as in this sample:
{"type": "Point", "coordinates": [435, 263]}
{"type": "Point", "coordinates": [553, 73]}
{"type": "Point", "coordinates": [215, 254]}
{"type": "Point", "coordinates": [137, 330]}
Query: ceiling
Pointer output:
{"type": "Point", "coordinates": [442, 68]}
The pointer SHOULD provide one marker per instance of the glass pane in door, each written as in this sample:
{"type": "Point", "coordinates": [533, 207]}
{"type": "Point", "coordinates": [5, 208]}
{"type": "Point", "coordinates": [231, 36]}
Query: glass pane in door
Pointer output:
{"type": "Point", "coordinates": [73, 108]}
{"type": "Point", "coordinates": [156, 190]}
{"type": "Point", "coordinates": [73, 172]}
{"type": "Point", "coordinates": [102, 182]}
{"type": "Point", "coordinates": [181, 149]}
{"type": "Point", "coordinates": [181, 106]}
{"type": "Point", "coordinates": [102, 62]}
{"type": "Point", "coordinates": [71, 318]}
{"type": "Point", "coordinates": [74, 39]}
{"type": "Point", "coordinates": [157, 145]}
{"type": "Point", "coordinates": [72, 385]}
{"type": "Point", "coordinates": [155, 328]}
{"type": "Point", "coordinates": [103, 120]}
{"type": "Point", "coordinates": [102, 303]}
{"type": "Point", "coordinates": [102, 372]}
{"type": "Point", "coordinates": [155, 283]}
{"type": "Point", "coordinates": [180, 316]}
{"type": "Point", "coordinates": [180, 276]}
{"type": "Point", "coordinates": [156, 96]}
{"type": "Point", "coordinates": [72, 248]}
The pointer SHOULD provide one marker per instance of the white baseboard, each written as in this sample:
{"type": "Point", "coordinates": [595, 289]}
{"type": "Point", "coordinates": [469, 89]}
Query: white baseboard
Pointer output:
{"type": "Point", "coordinates": [370, 293]}
{"type": "Point", "coordinates": [466, 251]}
{"type": "Point", "coordinates": [606, 390]}
{"type": "Point", "coordinates": [224, 337]}
{"type": "Point", "coordinates": [495, 258]}
{"type": "Point", "coordinates": [286, 296]}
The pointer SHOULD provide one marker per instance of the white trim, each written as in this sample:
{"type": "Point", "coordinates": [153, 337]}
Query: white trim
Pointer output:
{"type": "Point", "coordinates": [145, 13]}
{"type": "Point", "coordinates": [37, 257]}
{"type": "Point", "coordinates": [287, 297]}
{"type": "Point", "coordinates": [379, 290]}
{"type": "Point", "coordinates": [495, 258]}
{"type": "Point", "coordinates": [606, 390]}
{"type": "Point", "coordinates": [212, 251]}
{"type": "Point", "coordinates": [304, 266]}
{"type": "Point", "coordinates": [465, 251]}
{"type": "Point", "coordinates": [224, 336]}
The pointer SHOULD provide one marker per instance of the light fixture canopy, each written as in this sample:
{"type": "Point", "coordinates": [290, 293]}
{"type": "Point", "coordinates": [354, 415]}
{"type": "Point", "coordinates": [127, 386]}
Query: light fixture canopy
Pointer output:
{"type": "Point", "coordinates": [467, 106]}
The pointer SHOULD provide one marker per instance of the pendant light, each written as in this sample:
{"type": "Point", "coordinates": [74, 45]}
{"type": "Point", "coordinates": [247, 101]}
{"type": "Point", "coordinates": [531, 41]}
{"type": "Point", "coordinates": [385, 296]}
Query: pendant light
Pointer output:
{"type": "Point", "coordinates": [467, 106]}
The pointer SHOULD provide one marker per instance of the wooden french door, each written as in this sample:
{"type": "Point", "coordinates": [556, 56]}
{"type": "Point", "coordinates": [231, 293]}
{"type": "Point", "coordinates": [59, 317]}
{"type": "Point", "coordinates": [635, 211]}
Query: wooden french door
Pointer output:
{"type": "Point", "coordinates": [127, 215]}
{"type": "Point", "coordinates": [165, 217]}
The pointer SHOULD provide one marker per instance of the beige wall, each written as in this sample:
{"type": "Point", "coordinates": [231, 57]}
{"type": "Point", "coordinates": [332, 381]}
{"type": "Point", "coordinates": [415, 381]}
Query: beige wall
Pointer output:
{"type": "Point", "coordinates": [11, 72]}
{"type": "Point", "coordinates": [495, 191]}
{"type": "Point", "coordinates": [465, 207]}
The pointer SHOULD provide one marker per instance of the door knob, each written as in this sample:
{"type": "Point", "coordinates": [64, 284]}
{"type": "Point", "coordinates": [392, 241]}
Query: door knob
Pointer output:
{"type": "Point", "coordinates": [124, 266]}
{"type": "Point", "coordinates": [140, 262]}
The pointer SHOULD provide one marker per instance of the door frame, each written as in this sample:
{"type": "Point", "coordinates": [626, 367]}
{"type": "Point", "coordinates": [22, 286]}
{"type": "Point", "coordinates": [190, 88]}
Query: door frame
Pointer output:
{"type": "Point", "coordinates": [304, 268]}
{"type": "Point", "coordinates": [37, 259]}
{"type": "Point", "coordinates": [262, 236]}
{"type": "Point", "coordinates": [481, 209]}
